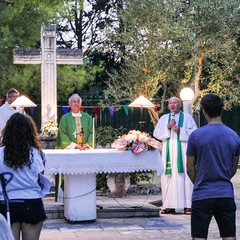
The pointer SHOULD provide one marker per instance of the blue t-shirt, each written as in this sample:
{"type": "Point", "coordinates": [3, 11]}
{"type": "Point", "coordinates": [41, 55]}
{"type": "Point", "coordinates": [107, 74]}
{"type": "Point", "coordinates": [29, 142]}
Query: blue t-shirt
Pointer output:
{"type": "Point", "coordinates": [214, 146]}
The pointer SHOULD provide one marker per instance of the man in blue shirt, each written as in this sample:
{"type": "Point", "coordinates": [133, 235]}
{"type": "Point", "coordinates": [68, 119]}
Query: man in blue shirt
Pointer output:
{"type": "Point", "coordinates": [212, 159]}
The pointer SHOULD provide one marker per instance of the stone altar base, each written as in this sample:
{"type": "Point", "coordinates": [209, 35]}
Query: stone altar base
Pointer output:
{"type": "Point", "coordinates": [80, 197]}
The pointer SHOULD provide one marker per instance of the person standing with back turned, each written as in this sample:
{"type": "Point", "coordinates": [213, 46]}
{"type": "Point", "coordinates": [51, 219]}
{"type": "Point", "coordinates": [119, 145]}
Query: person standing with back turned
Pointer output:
{"type": "Point", "coordinates": [21, 156]}
{"type": "Point", "coordinates": [174, 129]}
{"type": "Point", "coordinates": [212, 159]}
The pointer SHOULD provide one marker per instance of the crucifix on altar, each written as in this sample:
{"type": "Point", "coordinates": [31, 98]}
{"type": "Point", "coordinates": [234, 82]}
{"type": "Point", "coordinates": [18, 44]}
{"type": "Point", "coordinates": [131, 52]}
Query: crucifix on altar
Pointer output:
{"type": "Point", "coordinates": [48, 56]}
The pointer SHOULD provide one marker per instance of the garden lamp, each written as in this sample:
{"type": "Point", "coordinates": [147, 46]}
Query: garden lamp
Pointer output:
{"type": "Point", "coordinates": [187, 94]}
{"type": "Point", "coordinates": [23, 102]}
{"type": "Point", "coordinates": [141, 102]}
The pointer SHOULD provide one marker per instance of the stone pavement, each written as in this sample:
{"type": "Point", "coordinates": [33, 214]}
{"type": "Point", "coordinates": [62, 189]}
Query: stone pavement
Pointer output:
{"type": "Point", "coordinates": [162, 227]}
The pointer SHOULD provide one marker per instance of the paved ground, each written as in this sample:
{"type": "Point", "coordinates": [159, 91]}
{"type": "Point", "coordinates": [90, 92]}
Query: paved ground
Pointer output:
{"type": "Point", "coordinates": [163, 227]}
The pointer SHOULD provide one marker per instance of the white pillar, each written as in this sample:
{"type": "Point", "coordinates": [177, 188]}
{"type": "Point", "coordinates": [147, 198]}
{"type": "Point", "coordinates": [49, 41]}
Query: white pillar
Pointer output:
{"type": "Point", "coordinates": [187, 107]}
{"type": "Point", "coordinates": [48, 73]}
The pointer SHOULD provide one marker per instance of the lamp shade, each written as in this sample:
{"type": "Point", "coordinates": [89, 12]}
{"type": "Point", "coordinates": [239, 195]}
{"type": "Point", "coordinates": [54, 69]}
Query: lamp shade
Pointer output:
{"type": "Point", "coordinates": [23, 102]}
{"type": "Point", "coordinates": [186, 94]}
{"type": "Point", "coordinates": [141, 102]}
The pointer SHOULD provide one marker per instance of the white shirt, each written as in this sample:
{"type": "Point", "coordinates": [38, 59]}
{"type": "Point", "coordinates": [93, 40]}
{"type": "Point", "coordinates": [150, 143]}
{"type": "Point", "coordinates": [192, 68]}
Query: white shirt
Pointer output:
{"type": "Point", "coordinates": [24, 184]}
{"type": "Point", "coordinates": [6, 111]}
{"type": "Point", "coordinates": [176, 188]}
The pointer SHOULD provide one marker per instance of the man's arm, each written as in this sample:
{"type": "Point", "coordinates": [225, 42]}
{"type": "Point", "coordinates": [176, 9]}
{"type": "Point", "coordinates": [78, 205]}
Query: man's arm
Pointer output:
{"type": "Point", "coordinates": [191, 171]}
{"type": "Point", "coordinates": [161, 131]}
{"type": "Point", "coordinates": [63, 138]}
{"type": "Point", "coordinates": [235, 165]}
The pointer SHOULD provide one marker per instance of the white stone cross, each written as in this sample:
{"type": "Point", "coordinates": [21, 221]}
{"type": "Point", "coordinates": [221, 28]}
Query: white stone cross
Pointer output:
{"type": "Point", "coordinates": [48, 56]}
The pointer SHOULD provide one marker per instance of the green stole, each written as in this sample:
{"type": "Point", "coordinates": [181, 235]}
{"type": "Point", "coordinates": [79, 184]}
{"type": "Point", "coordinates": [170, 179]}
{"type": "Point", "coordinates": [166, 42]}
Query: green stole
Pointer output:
{"type": "Point", "coordinates": [179, 149]}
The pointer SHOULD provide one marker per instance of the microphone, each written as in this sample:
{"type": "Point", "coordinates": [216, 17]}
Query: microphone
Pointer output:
{"type": "Point", "coordinates": [170, 124]}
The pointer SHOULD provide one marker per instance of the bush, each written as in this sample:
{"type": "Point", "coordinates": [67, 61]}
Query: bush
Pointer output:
{"type": "Point", "coordinates": [105, 136]}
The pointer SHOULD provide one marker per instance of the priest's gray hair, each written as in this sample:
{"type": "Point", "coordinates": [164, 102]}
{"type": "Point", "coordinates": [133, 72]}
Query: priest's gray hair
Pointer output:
{"type": "Point", "coordinates": [176, 98]}
{"type": "Point", "coordinates": [75, 95]}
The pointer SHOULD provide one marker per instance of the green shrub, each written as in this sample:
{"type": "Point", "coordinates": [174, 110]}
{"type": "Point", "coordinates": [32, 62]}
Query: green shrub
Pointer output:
{"type": "Point", "coordinates": [105, 136]}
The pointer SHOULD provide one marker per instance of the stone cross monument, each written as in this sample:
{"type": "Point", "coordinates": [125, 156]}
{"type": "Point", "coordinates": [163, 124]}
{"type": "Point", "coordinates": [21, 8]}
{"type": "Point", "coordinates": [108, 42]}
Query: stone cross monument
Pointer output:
{"type": "Point", "coordinates": [48, 56]}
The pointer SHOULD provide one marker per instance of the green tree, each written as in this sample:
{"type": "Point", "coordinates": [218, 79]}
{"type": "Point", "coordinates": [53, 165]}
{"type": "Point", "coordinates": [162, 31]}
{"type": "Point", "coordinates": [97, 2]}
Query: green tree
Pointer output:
{"type": "Point", "coordinates": [85, 25]}
{"type": "Point", "coordinates": [216, 49]}
{"type": "Point", "coordinates": [20, 23]}
{"type": "Point", "coordinates": [25, 33]}
{"type": "Point", "coordinates": [171, 44]}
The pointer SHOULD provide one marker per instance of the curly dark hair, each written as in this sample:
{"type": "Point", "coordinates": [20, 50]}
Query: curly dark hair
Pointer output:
{"type": "Point", "coordinates": [19, 136]}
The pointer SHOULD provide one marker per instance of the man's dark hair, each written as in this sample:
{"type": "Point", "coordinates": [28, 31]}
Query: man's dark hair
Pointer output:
{"type": "Point", "coordinates": [212, 105]}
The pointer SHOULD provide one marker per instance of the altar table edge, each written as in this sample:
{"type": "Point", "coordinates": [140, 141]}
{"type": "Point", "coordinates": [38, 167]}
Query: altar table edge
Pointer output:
{"type": "Point", "coordinates": [96, 161]}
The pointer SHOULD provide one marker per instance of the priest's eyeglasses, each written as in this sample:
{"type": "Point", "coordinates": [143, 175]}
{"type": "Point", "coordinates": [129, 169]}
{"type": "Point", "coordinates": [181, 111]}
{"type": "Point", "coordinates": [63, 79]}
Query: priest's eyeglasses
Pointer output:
{"type": "Point", "coordinates": [76, 102]}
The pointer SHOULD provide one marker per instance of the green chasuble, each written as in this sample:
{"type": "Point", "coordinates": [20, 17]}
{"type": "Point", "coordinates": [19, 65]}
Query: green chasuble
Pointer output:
{"type": "Point", "coordinates": [67, 130]}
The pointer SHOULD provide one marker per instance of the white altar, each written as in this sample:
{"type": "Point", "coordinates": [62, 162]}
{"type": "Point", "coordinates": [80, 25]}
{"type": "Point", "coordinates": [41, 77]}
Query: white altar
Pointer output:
{"type": "Point", "coordinates": [80, 169]}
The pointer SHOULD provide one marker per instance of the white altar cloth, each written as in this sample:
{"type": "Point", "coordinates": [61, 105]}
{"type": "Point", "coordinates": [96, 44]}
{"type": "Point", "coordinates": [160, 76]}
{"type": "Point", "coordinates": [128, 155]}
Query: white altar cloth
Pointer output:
{"type": "Point", "coordinates": [73, 161]}
{"type": "Point", "coordinates": [80, 169]}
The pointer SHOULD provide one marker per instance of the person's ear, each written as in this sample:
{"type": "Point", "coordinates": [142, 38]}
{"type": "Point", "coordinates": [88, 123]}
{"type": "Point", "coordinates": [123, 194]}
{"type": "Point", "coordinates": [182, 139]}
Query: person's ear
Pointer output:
{"type": "Point", "coordinates": [204, 112]}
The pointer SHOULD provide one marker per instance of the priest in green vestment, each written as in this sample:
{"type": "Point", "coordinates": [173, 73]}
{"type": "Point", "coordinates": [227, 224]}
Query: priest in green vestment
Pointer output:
{"type": "Point", "coordinates": [173, 130]}
{"type": "Point", "coordinates": [75, 131]}
{"type": "Point", "coordinates": [75, 127]}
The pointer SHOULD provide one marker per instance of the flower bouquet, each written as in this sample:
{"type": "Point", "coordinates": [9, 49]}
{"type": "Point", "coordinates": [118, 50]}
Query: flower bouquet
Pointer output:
{"type": "Point", "coordinates": [49, 128]}
{"type": "Point", "coordinates": [136, 141]}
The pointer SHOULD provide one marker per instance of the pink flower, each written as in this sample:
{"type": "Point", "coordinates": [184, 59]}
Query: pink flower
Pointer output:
{"type": "Point", "coordinates": [154, 143]}
{"type": "Point", "coordinates": [136, 141]}
{"type": "Point", "coordinates": [137, 147]}
{"type": "Point", "coordinates": [120, 143]}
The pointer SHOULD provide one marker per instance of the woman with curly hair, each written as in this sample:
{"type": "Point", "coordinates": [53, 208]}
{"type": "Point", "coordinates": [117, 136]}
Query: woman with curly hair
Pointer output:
{"type": "Point", "coordinates": [21, 155]}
